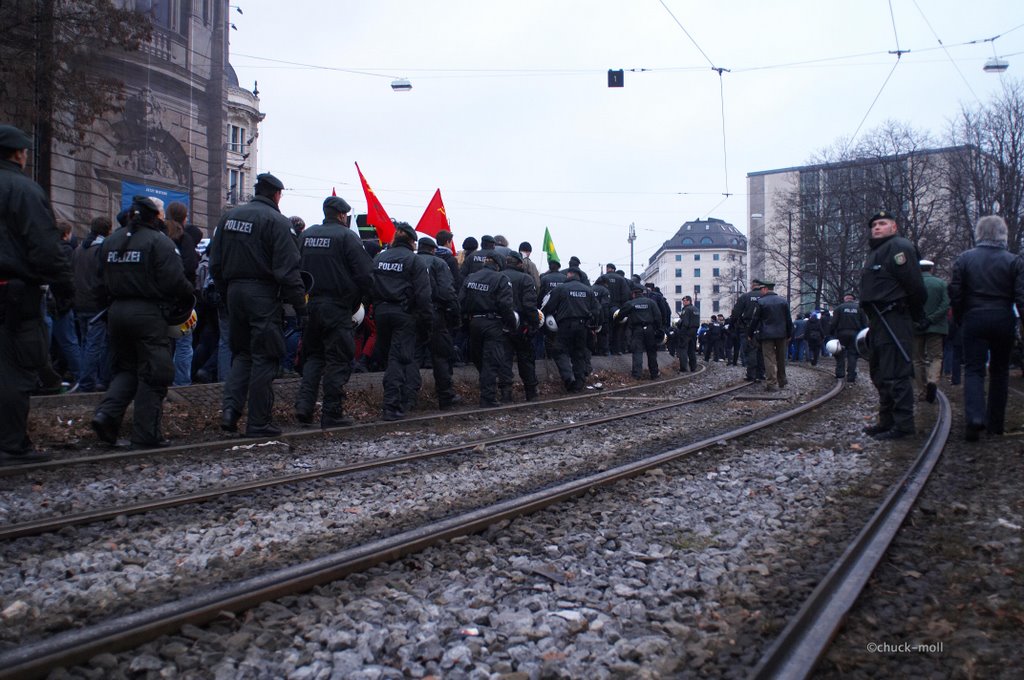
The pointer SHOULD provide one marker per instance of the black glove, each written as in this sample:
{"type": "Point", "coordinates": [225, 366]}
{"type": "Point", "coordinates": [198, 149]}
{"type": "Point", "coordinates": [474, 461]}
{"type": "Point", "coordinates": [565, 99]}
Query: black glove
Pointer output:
{"type": "Point", "coordinates": [922, 325]}
{"type": "Point", "coordinates": [63, 297]}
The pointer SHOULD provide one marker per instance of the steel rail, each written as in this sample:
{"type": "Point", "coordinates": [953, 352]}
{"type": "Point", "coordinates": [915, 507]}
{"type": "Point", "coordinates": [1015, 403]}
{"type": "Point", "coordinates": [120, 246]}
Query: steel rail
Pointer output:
{"type": "Point", "coordinates": [290, 436]}
{"type": "Point", "coordinates": [75, 646]}
{"type": "Point", "coordinates": [49, 524]}
{"type": "Point", "coordinates": [803, 642]}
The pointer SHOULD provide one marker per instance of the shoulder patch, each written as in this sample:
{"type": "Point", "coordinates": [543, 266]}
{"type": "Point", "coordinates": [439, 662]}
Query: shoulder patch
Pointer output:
{"type": "Point", "coordinates": [900, 258]}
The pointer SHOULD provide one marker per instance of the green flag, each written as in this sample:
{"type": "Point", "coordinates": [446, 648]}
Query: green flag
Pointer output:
{"type": "Point", "coordinates": [549, 247]}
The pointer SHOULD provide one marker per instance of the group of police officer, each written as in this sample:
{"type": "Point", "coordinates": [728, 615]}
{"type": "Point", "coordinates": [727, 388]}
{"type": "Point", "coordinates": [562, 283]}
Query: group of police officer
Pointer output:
{"type": "Point", "coordinates": [419, 295]}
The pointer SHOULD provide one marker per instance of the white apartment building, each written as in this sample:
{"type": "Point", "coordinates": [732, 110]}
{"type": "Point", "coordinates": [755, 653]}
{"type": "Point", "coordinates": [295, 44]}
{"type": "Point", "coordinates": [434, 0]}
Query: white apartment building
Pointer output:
{"type": "Point", "coordinates": [707, 260]}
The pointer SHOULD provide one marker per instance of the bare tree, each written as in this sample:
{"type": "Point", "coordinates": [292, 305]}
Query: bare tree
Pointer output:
{"type": "Point", "coordinates": [49, 53]}
{"type": "Point", "coordinates": [988, 176]}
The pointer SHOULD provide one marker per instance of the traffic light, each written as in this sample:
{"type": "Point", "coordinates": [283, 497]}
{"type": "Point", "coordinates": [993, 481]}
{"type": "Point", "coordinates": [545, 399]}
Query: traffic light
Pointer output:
{"type": "Point", "coordinates": [615, 78]}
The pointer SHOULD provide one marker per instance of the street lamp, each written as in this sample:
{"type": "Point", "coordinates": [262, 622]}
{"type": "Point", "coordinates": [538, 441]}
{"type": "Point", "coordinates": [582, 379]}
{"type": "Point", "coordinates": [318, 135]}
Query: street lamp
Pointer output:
{"type": "Point", "coordinates": [401, 85]}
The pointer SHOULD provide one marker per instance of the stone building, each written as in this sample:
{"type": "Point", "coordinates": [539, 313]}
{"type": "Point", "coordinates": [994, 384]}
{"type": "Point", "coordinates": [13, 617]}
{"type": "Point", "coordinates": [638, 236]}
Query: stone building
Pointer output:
{"type": "Point", "coordinates": [705, 259]}
{"type": "Point", "coordinates": [187, 130]}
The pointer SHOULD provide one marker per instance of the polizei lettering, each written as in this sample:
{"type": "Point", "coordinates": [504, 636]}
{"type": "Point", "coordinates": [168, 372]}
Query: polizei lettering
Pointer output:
{"type": "Point", "coordinates": [239, 226]}
{"type": "Point", "coordinates": [390, 266]}
{"type": "Point", "coordinates": [313, 242]}
{"type": "Point", "coordinates": [482, 287]}
{"type": "Point", "coordinates": [126, 256]}
{"type": "Point", "coordinates": [579, 293]}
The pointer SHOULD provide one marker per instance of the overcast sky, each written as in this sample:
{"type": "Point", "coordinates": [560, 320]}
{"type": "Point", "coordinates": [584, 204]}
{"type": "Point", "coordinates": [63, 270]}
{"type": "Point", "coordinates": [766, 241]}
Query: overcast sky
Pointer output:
{"type": "Point", "coordinates": [511, 117]}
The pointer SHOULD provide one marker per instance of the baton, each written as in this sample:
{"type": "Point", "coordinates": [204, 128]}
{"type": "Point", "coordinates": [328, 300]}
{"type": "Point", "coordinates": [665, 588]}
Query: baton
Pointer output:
{"type": "Point", "coordinates": [892, 335]}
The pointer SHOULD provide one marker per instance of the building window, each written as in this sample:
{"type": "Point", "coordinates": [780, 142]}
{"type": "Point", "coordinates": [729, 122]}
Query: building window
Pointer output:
{"type": "Point", "coordinates": [687, 241]}
{"type": "Point", "coordinates": [716, 257]}
{"type": "Point", "coordinates": [236, 138]}
{"type": "Point", "coordinates": [716, 272]}
{"type": "Point", "coordinates": [679, 290]}
{"type": "Point", "coordinates": [714, 306]}
{"type": "Point", "coordinates": [696, 290]}
{"type": "Point", "coordinates": [679, 273]}
{"type": "Point", "coordinates": [706, 241]}
{"type": "Point", "coordinates": [715, 288]}
{"type": "Point", "coordinates": [679, 306]}
{"type": "Point", "coordinates": [679, 258]}
{"type": "Point", "coordinates": [236, 186]}
{"type": "Point", "coordinates": [696, 257]}
{"type": "Point", "coordinates": [696, 273]}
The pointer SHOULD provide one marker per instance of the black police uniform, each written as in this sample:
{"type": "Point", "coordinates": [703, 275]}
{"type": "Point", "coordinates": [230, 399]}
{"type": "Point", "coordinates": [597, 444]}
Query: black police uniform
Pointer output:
{"type": "Point", "coordinates": [438, 337]}
{"type": "Point", "coordinates": [643, 316]}
{"type": "Point", "coordinates": [144, 279]}
{"type": "Point", "coordinates": [401, 291]}
{"type": "Point", "coordinates": [486, 300]}
{"type": "Point", "coordinates": [550, 280]}
{"type": "Point", "coordinates": [741, 317]}
{"type": "Point", "coordinates": [520, 340]}
{"type": "Point", "coordinates": [892, 290]}
{"type": "Point", "coordinates": [619, 291]}
{"type": "Point", "coordinates": [686, 327]}
{"type": "Point", "coordinates": [341, 270]}
{"type": "Point", "coordinates": [30, 255]}
{"type": "Point", "coordinates": [574, 307]}
{"type": "Point", "coordinates": [255, 263]}
{"type": "Point", "coordinates": [604, 303]}
{"type": "Point", "coordinates": [847, 320]}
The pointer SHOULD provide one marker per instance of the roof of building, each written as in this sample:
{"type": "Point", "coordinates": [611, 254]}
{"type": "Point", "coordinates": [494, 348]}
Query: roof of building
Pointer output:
{"type": "Point", "coordinates": [709, 234]}
{"type": "Point", "coordinates": [862, 161]}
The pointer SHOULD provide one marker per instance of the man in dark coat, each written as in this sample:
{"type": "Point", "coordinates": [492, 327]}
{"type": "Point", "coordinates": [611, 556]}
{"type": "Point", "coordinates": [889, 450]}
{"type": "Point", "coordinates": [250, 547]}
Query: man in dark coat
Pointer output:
{"type": "Point", "coordinates": [341, 272]}
{"type": "Point", "coordinates": [144, 280]}
{"type": "Point", "coordinates": [772, 326]}
{"type": "Point", "coordinates": [893, 294]}
{"type": "Point", "coordinates": [254, 261]}
{"type": "Point", "coordinates": [847, 321]}
{"type": "Point", "coordinates": [486, 301]}
{"type": "Point", "coordinates": [30, 256]}
{"type": "Point", "coordinates": [438, 338]}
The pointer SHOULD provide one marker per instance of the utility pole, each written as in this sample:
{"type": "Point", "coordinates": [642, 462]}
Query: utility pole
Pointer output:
{"type": "Point", "coordinates": [789, 264]}
{"type": "Point", "coordinates": [632, 237]}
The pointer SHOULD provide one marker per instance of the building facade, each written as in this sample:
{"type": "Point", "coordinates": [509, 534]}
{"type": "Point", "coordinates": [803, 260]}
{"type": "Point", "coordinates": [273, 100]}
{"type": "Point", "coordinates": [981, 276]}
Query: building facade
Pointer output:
{"type": "Point", "coordinates": [172, 137]}
{"type": "Point", "coordinates": [705, 259]}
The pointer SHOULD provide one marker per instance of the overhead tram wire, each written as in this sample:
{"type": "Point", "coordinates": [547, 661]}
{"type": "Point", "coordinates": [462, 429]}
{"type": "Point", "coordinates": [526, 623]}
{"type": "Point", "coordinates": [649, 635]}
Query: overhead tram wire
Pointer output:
{"type": "Point", "coordinates": [950, 56]}
{"type": "Point", "coordinates": [899, 54]}
{"type": "Point", "coordinates": [721, 91]}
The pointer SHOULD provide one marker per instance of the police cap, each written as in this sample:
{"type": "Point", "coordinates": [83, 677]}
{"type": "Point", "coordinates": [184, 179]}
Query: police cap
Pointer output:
{"type": "Point", "coordinates": [269, 180]}
{"type": "Point", "coordinates": [485, 240]}
{"type": "Point", "coordinates": [427, 242]}
{"type": "Point", "coordinates": [575, 270]}
{"type": "Point", "coordinates": [406, 229]}
{"type": "Point", "coordinates": [336, 204]}
{"type": "Point", "coordinates": [767, 284]}
{"type": "Point", "coordinates": [497, 258]}
{"type": "Point", "coordinates": [881, 215]}
{"type": "Point", "coordinates": [13, 138]}
{"type": "Point", "coordinates": [513, 255]}
{"type": "Point", "coordinates": [574, 261]}
{"type": "Point", "coordinates": [150, 203]}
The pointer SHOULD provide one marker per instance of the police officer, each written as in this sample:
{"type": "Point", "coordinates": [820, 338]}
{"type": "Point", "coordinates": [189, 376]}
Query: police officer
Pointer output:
{"type": "Point", "coordinates": [254, 261]}
{"type": "Point", "coordinates": [741, 317]}
{"type": "Point", "coordinates": [847, 321]}
{"type": "Point", "coordinates": [438, 338]}
{"type": "Point", "coordinates": [475, 262]}
{"type": "Point", "coordinates": [892, 293]}
{"type": "Point", "coordinates": [30, 255]}
{"type": "Point", "coordinates": [144, 279]}
{"type": "Point", "coordinates": [620, 292]}
{"type": "Point", "coordinates": [643, 316]}
{"type": "Point", "coordinates": [520, 341]}
{"type": "Point", "coordinates": [772, 327]}
{"type": "Point", "coordinates": [686, 329]}
{"type": "Point", "coordinates": [550, 279]}
{"type": "Point", "coordinates": [604, 303]}
{"type": "Point", "coordinates": [401, 292]}
{"type": "Point", "coordinates": [486, 301]}
{"type": "Point", "coordinates": [341, 272]}
{"type": "Point", "coordinates": [574, 307]}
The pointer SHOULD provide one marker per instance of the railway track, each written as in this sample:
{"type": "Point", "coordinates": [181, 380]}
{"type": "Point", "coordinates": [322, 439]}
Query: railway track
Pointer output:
{"type": "Point", "coordinates": [805, 640]}
{"type": "Point", "coordinates": [131, 630]}
{"type": "Point", "coordinates": [57, 523]}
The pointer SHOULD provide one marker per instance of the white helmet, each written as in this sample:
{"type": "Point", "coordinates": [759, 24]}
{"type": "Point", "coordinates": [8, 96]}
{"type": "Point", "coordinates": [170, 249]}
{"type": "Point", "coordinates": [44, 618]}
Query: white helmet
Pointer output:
{"type": "Point", "coordinates": [863, 343]}
{"type": "Point", "coordinates": [550, 323]}
{"type": "Point", "coordinates": [360, 314]}
{"type": "Point", "coordinates": [833, 346]}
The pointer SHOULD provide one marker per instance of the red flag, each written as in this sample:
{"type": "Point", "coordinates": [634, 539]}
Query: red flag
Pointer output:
{"type": "Point", "coordinates": [435, 219]}
{"type": "Point", "coordinates": [376, 216]}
